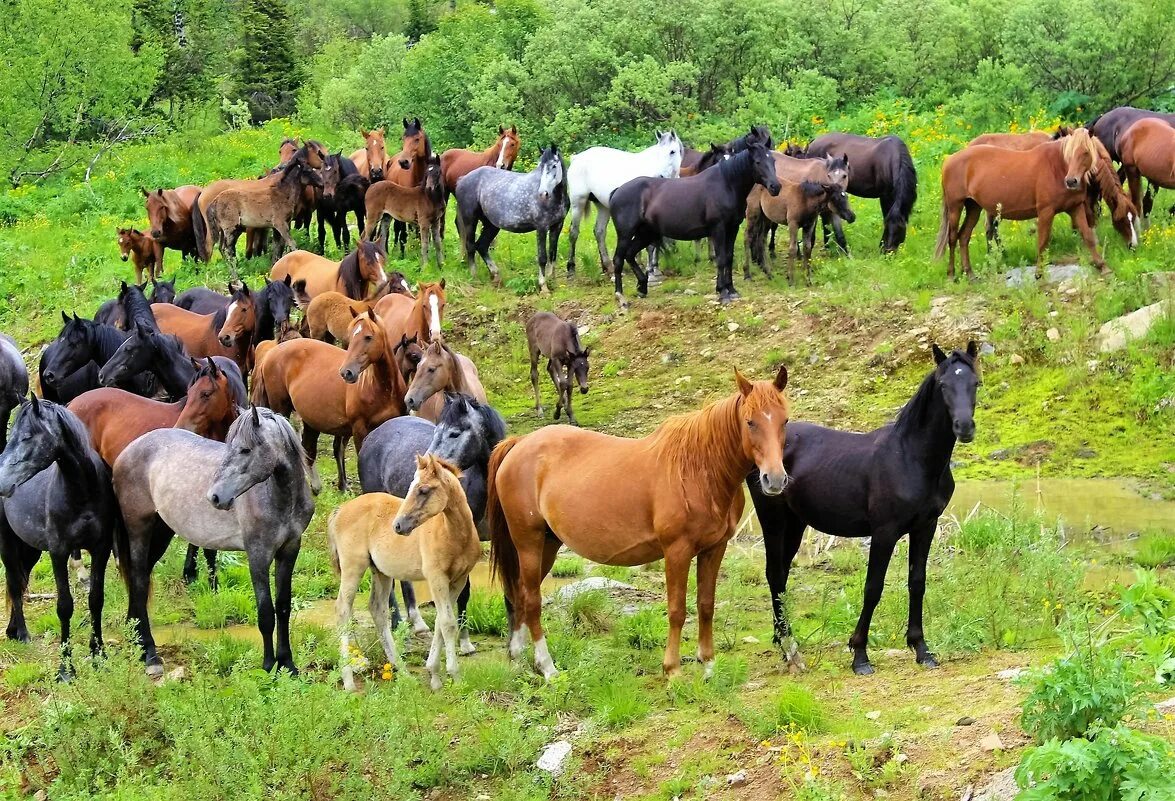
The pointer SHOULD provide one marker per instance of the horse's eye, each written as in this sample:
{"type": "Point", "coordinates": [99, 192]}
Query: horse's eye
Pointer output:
{"type": "Point", "coordinates": [422, 489]}
{"type": "Point", "coordinates": [367, 338]}
{"type": "Point", "coordinates": [454, 434]}
{"type": "Point", "coordinates": [206, 395]}
{"type": "Point", "coordinates": [432, 369]}
{"type": "Point", "coordinates": [246, 451]}
{"type": "Point", "coordinates": [750, 424]}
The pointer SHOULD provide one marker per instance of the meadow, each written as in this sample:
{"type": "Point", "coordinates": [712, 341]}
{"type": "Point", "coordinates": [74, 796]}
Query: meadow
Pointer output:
{"type": "Point", "coordinates": [1008, 589]}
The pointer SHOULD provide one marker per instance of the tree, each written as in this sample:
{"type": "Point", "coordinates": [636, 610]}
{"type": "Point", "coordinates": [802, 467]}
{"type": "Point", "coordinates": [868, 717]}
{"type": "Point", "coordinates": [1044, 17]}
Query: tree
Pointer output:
{"type": "Point", "coordinates": [420, 21]}
{"type": "Point", "coordinates": [269, 71]}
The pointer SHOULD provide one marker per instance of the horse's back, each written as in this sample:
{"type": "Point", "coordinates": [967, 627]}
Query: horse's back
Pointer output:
{"type": "Point", "coordinates": [387, 460]}
{"type": "Point", "coordinates": [1147, 140]}
{"type": "Point", "coordinates": [318, 273]}
{"type": "Point", "coordinates": [175, 320]}
{"type": "Point", "coordinates": [115, 418]}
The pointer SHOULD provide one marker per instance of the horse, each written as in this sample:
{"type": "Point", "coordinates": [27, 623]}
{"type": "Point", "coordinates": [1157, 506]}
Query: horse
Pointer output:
{"type": "Point", "coordinates": [340, 393]}
{"type": "Point", "coordinates": [457, 162]}
{"type": "Point", "coordinates": [1147, 148]}
{"type": "Point", "coordinates": [371, 159]}
{"type": "Point", "coordinates": [597, 172]}
{"type": "Point", "coordinates": [429, 535]}
{"type": "Point", "coordinates": [417, 318]}
{"type": "Point", "coordinates": [440, 371]}
{"type": "Point", "coordinates": [162, 291]}
{"type": "Point", "coordinates": [696, 161]}
{"type": "Point", "coordinates": [140, 248]}
{"type": "Point", "coordinates": [882, 168]}
{"type": "Point", "coordinates": [356, 275]}
{"type": "Point", "coordinates": [465, 435]}
{"type": "Point", "coordinates": [882, 485]}
{"type": "Point", "coordinates": [328, 315]}
{"type": "Point", "coordinates": [1109, 127]}
{"type": "Point", "coordinates": [799, 206]}
{"type": "Point", "coordinates": [130, 308]}
{"type": "Point", "coordinates": [146, 350]}
{"type": "Point", "coordinates": [332, 208]}
{"type": "Point", "coordinates": [408, 354]}
{"type": "Point", "coordinates": [423, 205]}
{"type": "Point", "coordinates": [248, 494]}
{"type": "Point", "coordinates": [55, 496]}
{"type": "Point", "coordinates": [65, 370]}
{"type": "Point", "coordinates": [202, 300]}
{"type": "Point", "coordinates": [517, 202]}
{"type": "Point", "coordinates": [1021, 141]}
{"type": "Point", "coordinates": [169, 213]}
{"type": "Point", "coordinates": [711, 204]}
{"type": "Point", "coordinates": [14, 383]}
{"type": "Point", "coordinates": [407, 168]}
{"type": "Point", "coordinates": [796, 166]}
{"type": "Point", "coordinates": [1020, 185]}
{"type": "Point", "coordinates": [551, 336]}
{"type": "Point", "coordinates": [228, 332]}
{"type": "Point", "coordinates": [682, 499]}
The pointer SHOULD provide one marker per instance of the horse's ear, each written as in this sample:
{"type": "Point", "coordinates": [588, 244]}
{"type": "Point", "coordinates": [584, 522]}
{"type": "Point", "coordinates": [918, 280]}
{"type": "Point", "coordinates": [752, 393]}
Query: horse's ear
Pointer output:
{"type": "Point", "coordinates": [195, 364]}
{"type": "Point", "coordinates": [146, 192]}
{"type": "Point", "coordinates": [416, 121]}
{"type": "Point", "coordinates": [846, 158]}
{"type": "Point", "coordinates": [421, 461]}
{"type": "Point", "coordinates": [351, 309]}
{"type": "Point", "coordinates": [501, 130]}
{"type": "Point", "coordinates": [744, 386]}
{"type": "Point", "coordinates": [122, 287]}
{"type": "Point", "coordinates": [442, 283]}
{"type": "Point", "coordinates": [514, 129]}
{"type": "Point", "coordinates": [245, 289]}
{"type": "Point", "coordinates": [657, 133]}
{"type": "Point", "coordinates": [35, 402]}
{"type": "Point", "coordinates": [159, 192]}
{"type": "Point", "coordinates": [267, 281]}
{"type": "Point", "coordinates": [972, 349]}
{"type": "Point", "coordinates": [64, 317]}
{"type": "Point", "coordinates": [256, 415]}
{"type": "Point", "coordinates": [289, 279]}
{"type": "Point", "coordinates": [939, 356]}
{"type": "Point", "coordinates": [363, 132]}
{"type": "Point", "coordinates": [405, 121]}
{"type": "Point", "coordinates": [780, 381]}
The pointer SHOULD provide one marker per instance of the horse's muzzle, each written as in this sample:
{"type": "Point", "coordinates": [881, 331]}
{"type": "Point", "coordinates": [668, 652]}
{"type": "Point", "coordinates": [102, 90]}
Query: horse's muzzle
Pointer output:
{"type": "Point", "coordinates": [412, 403]}
{"type": "Point", "coordinates": [219, 502]}
{"type": "Point", "coordinates": [774, 484]}
{"type": "Point", "coordinates": [773, 188]}
{"type": "Point", "coordinates": [402, 527]}
{"type": "Point", "coordinates": [965, 432]}
{"type": "Point", "coordinates": [349, 375]}
{"type": "Point", "coordinates": [125, 257]}
{"type": "Point", "coordinates": [405, 164]}
{"type": "Point", "coordinates": [583, 389]}
{"type": "Point", "coordinates": [226, 340]}
{"type": "Point", "coordinates": [156, 233]}
{"type": "Point", "coordinates": [1072, 183]}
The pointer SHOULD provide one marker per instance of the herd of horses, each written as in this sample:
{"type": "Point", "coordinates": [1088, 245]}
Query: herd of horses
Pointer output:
{"type": "Point", "coordinates": [171, 413]}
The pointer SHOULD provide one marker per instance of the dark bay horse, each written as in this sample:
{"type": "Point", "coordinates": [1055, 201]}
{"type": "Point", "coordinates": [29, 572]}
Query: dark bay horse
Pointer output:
{"type": "Point", "coordinates": [169, 211]}
{"type": "Point", "coordinates": [682, 500]}
{"type": "Point", "coordinates": [882, 168]}
{"type": "Point", "coordinates": [147, 351]}
{"type": "Point", "coordinates": [339, 172]}
{"type": "Point", "coordinates": [884, 484]}
{"type": "Point", "coordinates": [711, 204]}
{"type": "Point", "coordinates": [55, 496]}
{"type": "Point", "coordinates": [567, 361]}
{"type": "Point", "coordinates": [65, 364]}
{"type": "Point", "coordinates": [248, 494]}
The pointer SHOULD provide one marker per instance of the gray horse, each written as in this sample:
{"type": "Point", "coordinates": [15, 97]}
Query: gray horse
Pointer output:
{"type": "Point", "coordinates": [14, 383]}
{"type": "Point", "coordinates": [248, 493]}
{"type": "Point", "coordinates": [516, 202]}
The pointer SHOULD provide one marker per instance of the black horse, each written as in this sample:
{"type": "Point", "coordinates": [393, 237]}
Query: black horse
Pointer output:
{"type": "Point", "coordinates": [14, 382]}
{"type": "Point", "coordinates": [56, 497]}
{"type": "Point", "coordinates": [711, 204]}
{"type": "Point", "coordinates": [883, 484]}
{"type": "Point", "coordinates": [202, 300]}
{"type": "Point", "coordinates": [69, 365]}
{"type": "Point", "coordinates": [340, 177]}
{"type": "Point", "coordinates": [882, 168]}
{"type": "Point", "coordinates": [466, 435]}
{"type": "Point", "coordinates": [132, 305]}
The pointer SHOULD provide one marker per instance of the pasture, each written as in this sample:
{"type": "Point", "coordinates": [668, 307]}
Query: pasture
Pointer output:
{"type": "Point", "coordinates": [1010, 588]}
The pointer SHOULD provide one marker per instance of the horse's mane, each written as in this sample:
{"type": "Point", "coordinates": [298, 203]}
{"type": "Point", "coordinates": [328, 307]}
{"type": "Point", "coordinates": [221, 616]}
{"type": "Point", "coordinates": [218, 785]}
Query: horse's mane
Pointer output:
{"type": "Point", "coordinates": [736, 166]}
{"type": "Point", "coordinates": [350, 273]}
{"type": "Point", "coordinates": [451, 415]}
{"type": "Point", "coordinates": [574, 336]}
{"type": "Point", "coordinates": [136, 309]}
{"type": "Point", "coordinates": [914, 412]}
{"type": "Point", "coordinates": [169, 345]}
{"type": "Point", "coordinates": [74, 434]}
{"type": "Point", "coordinates": [220, 316]}
{"type": "Point", "coordinates": [1106, 183]}
{"type": "Point", "coordinates": [106, 338]}
{"type": "Point", "coordinates": [244, 431]}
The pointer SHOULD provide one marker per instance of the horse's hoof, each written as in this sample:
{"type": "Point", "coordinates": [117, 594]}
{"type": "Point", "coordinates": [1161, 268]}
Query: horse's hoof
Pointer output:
{"type": "Point", "coordinates": [467, 648]}
{"type": "Point", "coordinates": [155, 668]}
{"type": "Point", "coordinates": [863, 669]}
{"type": "Point", "coordinates": [65, 675]}
{"type": "Point", "coordinates": [928, 662]}
{"type": "Point", "coordinates": [656, 278]}
{"type": "Point", "coordinates": [436, 683]}
{"type": "Point", "coordinates": [20, 636]}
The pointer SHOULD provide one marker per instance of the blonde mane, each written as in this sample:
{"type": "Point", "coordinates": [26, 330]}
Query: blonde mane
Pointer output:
{"type": "Point", "coordinates": [1080, 138]}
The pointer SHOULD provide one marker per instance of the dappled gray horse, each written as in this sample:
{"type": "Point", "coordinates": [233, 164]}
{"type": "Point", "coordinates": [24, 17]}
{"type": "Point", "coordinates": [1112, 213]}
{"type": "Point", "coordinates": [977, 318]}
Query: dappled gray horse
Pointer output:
{"type": "Point", "coordinates": [248, 493]}
{"type": "Point", "coordinates": [14, 383]}
{"type": "Point", "coordinates": [515, 202]}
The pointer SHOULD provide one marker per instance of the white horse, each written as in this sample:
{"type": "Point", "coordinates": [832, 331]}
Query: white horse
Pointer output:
{"type": "Point", "coordinates": [597, 172]}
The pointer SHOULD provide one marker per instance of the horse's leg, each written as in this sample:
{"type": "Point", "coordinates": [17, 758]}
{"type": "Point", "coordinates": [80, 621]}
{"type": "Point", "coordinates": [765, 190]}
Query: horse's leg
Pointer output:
{"type": "Point", "coordinates": [534, 379]}
{"type": "Point", "coordinates": [340, 452]}
{"type": "Point", "coordinates": [283, 582]}
{"type": "Point", "coordinates": [310, 446]}
{"type": "Point", "coordinates": [64, 611]}
{"type": "Point", "coordinates": [677, 564]}
{"type": "Point", "coordinates": [826, 226]}
{"type": "Point", "coordinates": [568, 392]}
{"type": "Point", "coordinates": [969, 223]}
{"type": "Point", "coordinates": [950, 214]}
{"type": "Point", "coordinates": [437, 231]}
{"type": "Point", "coordinates": [468, 233]}
{"type": "Point", "coordinates": [465, 645]}
{"type": "Point", "coordinates": [411, 609]}
{"type": "Point", "coordinates": [771, 228]}
{"type": "Point", "coordinates": [1044, 230]}
{"type": "Point", "coordinates": [282, 229]}
{"type": "Point", "coordinates": [793, 247]}
{"type": "Point", "coordinates": [16, 557]}
{"type": "Point", "coordinates": [382, 590]}
{"type": "Point", "coordinates": [1134, 183]}
{"type": "Point", "coordinates": [553, 234]}
{"type": "Point", "coordinates": [553, 372]}
{"type": "Point", "coordinates": [138, 570]}
{"type": "Point", "coordinates": [880, 552]}
{"type": "Point", "coordinates": [782, 534]}
{"type": "Point", "coordinates": [210, 560]}
{"type": "Point", "coordinates": [99, 556]}
{"type": "Point", "coordinates": [191, 566]}
{"type": "Point", "coordinates": [488, 232]}
{"type": "Point", "coordinates": [540, 236]}
{"type": "Point", "coordinates": [838, 231]}
{"type": "Point", "coordinates": [809, 239]}
{"type": "Point", "coordinates": [259, 572]}
{"type": "Point", "coordinates": [920, 540]}
{"type": "Point", "coordinates": [529, 601]}
{"type": "Point", "coordinates": [400, 233]}
{"type": "Point", "coordinates": [578, 207]}
{"type": "Point", "coordinates": [603, 214]}
{"type": "Point", "coordinates": [708, 564]}
{"type": "Point", "coordinates": [1081, 222]}
{"type": "Point", "coordinates": [350, 574]}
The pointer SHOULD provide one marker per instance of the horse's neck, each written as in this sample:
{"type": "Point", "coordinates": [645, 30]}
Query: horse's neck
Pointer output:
{"type": "Point", "coordinates": [456, 374]}
{"type": "Point", "coordinates": [716, 454]}
{"type": "Point", "coordinates": [287, 485]}
{"type": "Point", "coordinates": [458, 516]}
{"type": "Point", "coordinates": [925, 428]}
{"type": "Point", "coordinates": [419, 316]}
{"type": "Point", "coordinates": [174, 371]}
{"type": "Point", "coordinates": [382, 381]}
{"type": "Point", "coordinates": [741, 175]}
{"type": "Point", "coordinates": [490, 155]}
{"type": "Point", "coordinates": [78, 473]}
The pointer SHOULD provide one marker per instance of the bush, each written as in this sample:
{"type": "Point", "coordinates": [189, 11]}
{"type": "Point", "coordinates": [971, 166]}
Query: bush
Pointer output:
{"type": "Point", "coordinates": [794, 709]}
{"type": "Point", "coordinates": [486, 612]}
{"type": "Point", "coordinates": [1111, 763]}
{"type": "Point", "coordinates": [1156, 550]}
{"type": "Point", "coordinates": [567, 567]}
{"type": "Point", "coordinates": [646, 629]}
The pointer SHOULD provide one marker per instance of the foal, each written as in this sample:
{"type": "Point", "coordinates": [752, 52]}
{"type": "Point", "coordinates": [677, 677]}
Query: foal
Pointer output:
{"type": "Point", "coordinates": [437, 542]}
{"type": "Point", "coordinates": [140, 248]}
{"type": "Point", "coordinates": [422, 205]}
{"type": "Point", "coordinates": [558, 340]}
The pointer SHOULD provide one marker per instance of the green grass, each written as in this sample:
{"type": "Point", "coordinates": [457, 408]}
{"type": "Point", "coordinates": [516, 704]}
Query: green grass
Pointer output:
{"type": "Point", "coordinates": [1156, 550]}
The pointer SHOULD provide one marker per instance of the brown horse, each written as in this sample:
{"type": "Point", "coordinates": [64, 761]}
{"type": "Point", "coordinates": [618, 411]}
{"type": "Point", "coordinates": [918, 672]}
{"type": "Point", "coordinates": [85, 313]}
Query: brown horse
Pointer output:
{"type": "Point", "coordinates": [551, 336]}
{"type": "Point", "coordinates": [798, 206]}
{"type": "Point", "coordinates": [358, 275]}
{"type": "Point", "coordinates": [139, 247]}
{"type": "Point", "coordinates": [371, 159]}
{"type": "Point", "coordinates": [441, 371]}
{"type": "Point", "coordinates": [340, 393]}
{"type": "Point", "coordinates": [169, 212]}
{"type": "Point", "coordinates": [681, 498]}
{"type": "Point", "coordinates": [329, 318]}
{"type": "Point", "coordinates": [1019, 185]}
{"type": "Point", "coordinates": [1148, 151]}
{"type": "Point", "coordinates": [1021, 141]}
{"type": "Point", "coordinates": [407, 168]}
{"type": "Point", "coordinates": [458, 162]}
{"type": "Point", "coordinates": [116, 418]}
{"type": "Point", "coordinates": [227, 332]}
{"type": "Point", "coordinates": [409, 354]}
{"type": "Point", "coordinates": [419, 317]}
{"type": "Point", "coordinates": [423, 205]}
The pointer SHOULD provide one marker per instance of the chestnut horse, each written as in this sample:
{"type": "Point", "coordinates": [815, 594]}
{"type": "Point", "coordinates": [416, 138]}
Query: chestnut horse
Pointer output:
{"type": "Point", "coordinates": [418, 317]}
{"type": "Point", "coordinates": [1148, 151]}
{"type": "Point", "coordinates": [341, 393]}
{"type": "Point", "coordinates": [458, 162]}
{"type": "Point", "coordinates": [371, 159]}
{"type": "Point", "coordinates": [328, 316]}
{"type": "Point", "coordinates": [356, 276]}
{"type": "Point", "coordinates": [422, 205]}
{"type": "Point", "coordinates": [442, 371]}
{"type": "Point", "coordinates": [228, 332]}
{"type": "Point", "coordinates": [682, 499]}
{"type": "Point", "coordinates": [139, 247]}
{"type": "Point", "coordinates": [407, 168]}
{"type": "Point", "coordinates": [1020, 141]}
{"type": "Point", "coordinates": [1020, 185]}
{"type": "Point", "coordinates": [169, 211]}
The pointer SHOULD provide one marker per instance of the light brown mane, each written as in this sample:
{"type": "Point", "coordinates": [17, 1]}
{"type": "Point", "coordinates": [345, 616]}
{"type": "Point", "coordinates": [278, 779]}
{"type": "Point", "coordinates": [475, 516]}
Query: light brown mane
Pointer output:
{"type": "Point", "coordinates": [1107, 180]}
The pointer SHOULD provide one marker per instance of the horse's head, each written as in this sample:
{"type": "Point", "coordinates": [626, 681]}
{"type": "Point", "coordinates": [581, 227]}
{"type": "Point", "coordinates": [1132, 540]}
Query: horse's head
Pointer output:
{"type": "Point", "coordinates": [507, 147]}
{"type": "Point", "coordinates": [467, 432]}
{"type": "Point", "coordinates": [763, 168]}
{"type": "Point", "coordinates": [832, 197]}
{"type": "Point", "coordinates": [371, 261]}
{"type": "Point", "coordinates": [415, 144]}
{"type": "Point", "coordinates": [162, 291]}
{"type": "Point", "coordinates": [313, 154]}
{"type": "Point", "coordinates": [408, 355]}
{"type": "Point", "coordinates": [433, 374]}
{"type": "Point", "coordinates": [795, 150]}
{"type": "Point", "coordinates": [43, 432]}
{"type": "Point", "coordinates": [551, 172]}
{"type": "Point", "coordinates": [764, 412]}
{"type": "Point", "coordinates": [434, 180]}
{"type": "Point", "coordinates": [133, 356]}
{"type": "Point", "coordinates": [670, 150]}
{"type": "Point", "coordinates": [760, 134]}
{"type": "Point", "coordinates": [73, 350]}
{"type": "Point", "coordinates": [286, 151]}
{"type": "Point", "coordinates": [398, 285]}
{"type": "Point", "coordinates": [369, 344]}
{"type": "Point", "coordinates": [377, 154]}
{"type": "Point", "coordinates": [331, 175]}
{"type": "Point", "coordinates": [432, 296]}
{"type": "Point", "coordinates": [837, 168]}
{"type": "Point", "coordinates": [240, 317]}
{"type": "Point", "coordinates": [158, 211]}
{"type": "Point", "coordinates": [258, 442]}
{"type": "Point", "coordinates": [1080, 158]}
{"type": "Point", "coordinates": [958, 382]}
{"type": "Point", "coordinates": [279, 300]}
{"type": "Point", "coordinates": [210, 407]}
{"type": "Point", "coordinates": [1105, 183]}
{"type": "Point", "coordinates": [579, 369]}
{"type": "Point", "coordinates": [128, 238]}
{"type": "Point", "coordinates": [435, 485]}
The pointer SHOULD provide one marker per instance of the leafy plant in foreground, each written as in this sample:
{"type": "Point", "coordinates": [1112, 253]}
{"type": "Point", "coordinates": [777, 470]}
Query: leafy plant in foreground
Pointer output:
{"type": "Point", "coordinates": [1114, 763]}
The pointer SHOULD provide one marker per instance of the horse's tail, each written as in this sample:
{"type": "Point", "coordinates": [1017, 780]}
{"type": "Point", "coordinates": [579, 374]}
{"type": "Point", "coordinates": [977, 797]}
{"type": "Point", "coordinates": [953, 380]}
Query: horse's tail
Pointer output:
{"type": "Point", "coordinates": [503, 553]}
{"type": "Point", "coordinates": [332, 546]}
{"type": "Point", "coordinates": [301, 297]}
{"type": "Point", "coordinates": [944, 232]}
{"type": "Point", "coordinates": [905, 185]}
{"type": "Point", "coordinates": [1089, 125]}
{"type": "Point", "coordinates": [259, 396]}
{"type": "Point", "coordinates": [200, 229]}
{"type": "Point", "coordinates": [122, 549]}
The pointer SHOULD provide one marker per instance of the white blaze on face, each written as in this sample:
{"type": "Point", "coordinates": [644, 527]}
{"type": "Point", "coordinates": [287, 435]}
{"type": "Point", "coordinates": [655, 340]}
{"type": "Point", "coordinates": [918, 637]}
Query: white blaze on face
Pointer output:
{"type": "Point", "coordinates": [358, 330]}
{"type": "Point", "coordinates": [501, 162]}
{"type": "Point", "coordinates": [229, 311]}
{"type": "Point", "coordinates": [434, 324]}
{"type": "Point", "coordinates": [1133, 229]}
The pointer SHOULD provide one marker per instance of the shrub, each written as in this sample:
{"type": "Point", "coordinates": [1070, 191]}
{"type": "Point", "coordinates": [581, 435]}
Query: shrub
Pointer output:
{"type": "Point", "coordinates": [1112, 763]}
{"type": "Point", "coordinates": [567, 567]}
{"type": "Point", "coordinates": [590, 612]}
{"type": "Point", "coordinates": [1156, 550]}
{"type": "Point", "coordinates": [22, 674]}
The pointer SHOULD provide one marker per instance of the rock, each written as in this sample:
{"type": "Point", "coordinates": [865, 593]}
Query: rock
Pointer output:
{"type": "Point", "coordinates": [583, 329]}
{"type": "Point", "coordinates": [918, 332]}
{"type": "Point", "coordinates": [732, 327]}
{"type": "Point", "coordinates": [554, 757]}
{"type": "Point", "coordinates": [942, 300]}
{"type": "Point", "coordinates": [1010, 674]}
{"type": "Point", "coordinates": [986, 349]}
{"type": "Point", "coordinates": [1000, 455]}
{"type": "Point", "coordinates": [1116, 333]}
{"type": "Point", "coordinates": [1053, 274]}
{"type": "Point", "coordinates": [1092, 365]}
{"type": "Point", "coordinates": [179, 674]}
{"type": "Point", "coordinates": [1085, 453]}
{"type": "Point", "coordinates": [1001, 787]}
{"type": "Point", "coordinates": [736, 779]}
{"type": "Point", "coordinates": [587, 585]}
{"type": "Point", "coordinates": [965, 721]}
{"type": "Point", "coordinates": [992, 742]}
{"type": "Point", "coordinates": [750, 640]}
{"type": "Point", "coordinates": [874, 715]}
{"type": "Point", "coordinates": [1016, 359]}
{"type": "Point", "coordinates": [1053, 334]}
